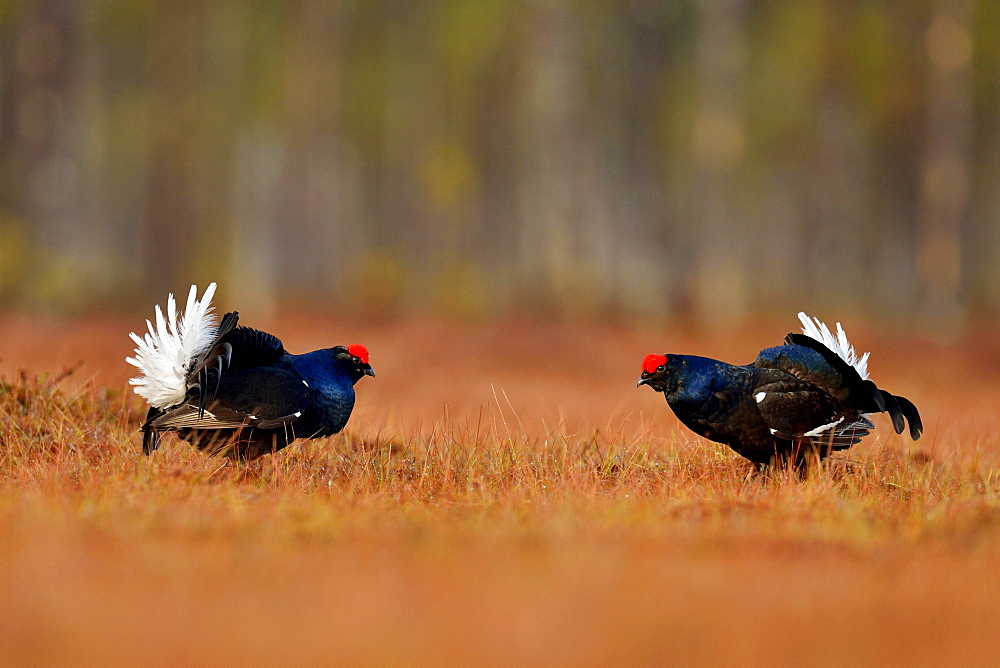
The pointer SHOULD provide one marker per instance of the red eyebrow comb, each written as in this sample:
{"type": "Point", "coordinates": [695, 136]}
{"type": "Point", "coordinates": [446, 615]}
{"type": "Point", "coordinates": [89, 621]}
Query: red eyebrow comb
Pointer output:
{"type": "Point", "coordinates": [358, 351]}
{"type": "Point", "coordinates": [653, 362]}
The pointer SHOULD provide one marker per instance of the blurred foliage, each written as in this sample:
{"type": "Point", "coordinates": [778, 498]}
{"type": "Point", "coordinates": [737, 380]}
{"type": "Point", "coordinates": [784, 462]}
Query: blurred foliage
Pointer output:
{"type": "Point", "coordinates": [707, 158]}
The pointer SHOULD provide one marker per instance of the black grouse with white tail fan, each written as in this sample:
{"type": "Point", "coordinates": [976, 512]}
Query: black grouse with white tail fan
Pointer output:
{"type": "Point", "coordinates": [804, 399]}
{"type": "Point", "coordinates": [236, 391]}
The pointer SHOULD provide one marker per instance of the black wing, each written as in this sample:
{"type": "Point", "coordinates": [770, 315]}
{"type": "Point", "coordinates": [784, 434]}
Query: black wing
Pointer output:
{"type": "Point", "coordinates": [252, 347]}
{"type": "Point", "coordinates": [799, 411]}
{"type": "Point", "coordinates": [792, 407]}
{"type": "Point", "coordinates": [809, 360]}
{"type": "Point", "coordinates": [234, 348]}
{"type": "Point", "coordinates": [265, 398]}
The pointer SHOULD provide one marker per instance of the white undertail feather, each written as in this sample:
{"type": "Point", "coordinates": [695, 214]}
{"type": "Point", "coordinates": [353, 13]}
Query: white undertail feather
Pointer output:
{"type": "Point", "coordinates": [814, 329]}
{"type": "Point", "coordinates": [165, 354]}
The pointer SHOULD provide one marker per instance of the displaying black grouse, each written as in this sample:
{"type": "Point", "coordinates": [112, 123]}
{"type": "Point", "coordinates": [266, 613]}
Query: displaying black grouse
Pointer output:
{"type": "Point", "coordinates": [234, 390]}
{"type": "Point", "coordinates": [806, 398]}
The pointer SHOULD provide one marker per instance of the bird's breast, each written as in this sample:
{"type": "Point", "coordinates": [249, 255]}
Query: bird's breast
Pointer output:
{"type": "Point", "coordinates": [330, 408]}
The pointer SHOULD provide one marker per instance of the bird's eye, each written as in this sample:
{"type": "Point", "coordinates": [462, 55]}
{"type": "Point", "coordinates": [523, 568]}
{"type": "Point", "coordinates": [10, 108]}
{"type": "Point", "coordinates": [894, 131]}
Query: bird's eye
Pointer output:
{"type": "Point", "coordinates": [357, 360]}
{"type": "Point", "coordinates": [661, 367]}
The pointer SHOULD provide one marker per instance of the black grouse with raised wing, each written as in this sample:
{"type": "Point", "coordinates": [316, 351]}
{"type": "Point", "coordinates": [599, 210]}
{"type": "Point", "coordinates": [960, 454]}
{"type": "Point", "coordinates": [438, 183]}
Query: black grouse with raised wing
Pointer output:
{"type": "Point", "coordinates": [234, 390]}
{"type": "Point", "coordinates": [808, 397]}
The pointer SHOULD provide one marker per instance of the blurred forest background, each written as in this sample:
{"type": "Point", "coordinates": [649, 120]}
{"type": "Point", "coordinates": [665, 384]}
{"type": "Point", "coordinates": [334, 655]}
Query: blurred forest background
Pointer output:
{"type": "Point", "coordinates": [710, 159]}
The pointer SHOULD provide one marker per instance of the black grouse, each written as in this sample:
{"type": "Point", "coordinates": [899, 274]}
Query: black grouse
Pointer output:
{"type": "Point", "coordinates": [236, 391]}
{"type": "Point", "coordinates": [804, 399]}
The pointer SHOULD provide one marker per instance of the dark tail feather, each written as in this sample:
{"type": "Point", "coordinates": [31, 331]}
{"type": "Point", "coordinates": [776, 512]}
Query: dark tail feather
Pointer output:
{"type": "Point", "coordinates": [912, 416]}
{"type": "Point", "coordinates": [150, 440]}
{"type": "Point", "coordinates": [899, 408]}
{"type": "Point", "coordinates": [217, 357]}
{"type": "Point", "coordinates": [876, 397]}
{"type": "Point", "coordinates": [223, 360]}
{"type": "Point", "coordinates": [202, 386]}
{"type": "Point", "coordinates": [150, 435]}
{"type": "Point", "coordinates": [228, 324]}
{"type": "Point", "coordinates": [892, 408]}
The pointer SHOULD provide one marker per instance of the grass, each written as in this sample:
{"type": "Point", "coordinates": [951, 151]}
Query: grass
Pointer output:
{"type": "Point", "coordinates": [496, 527]}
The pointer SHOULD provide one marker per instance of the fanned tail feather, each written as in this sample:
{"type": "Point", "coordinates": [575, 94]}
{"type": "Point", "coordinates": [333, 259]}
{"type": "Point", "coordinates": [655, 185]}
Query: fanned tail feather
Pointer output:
{"type": "Point", "coordinates": [900, 409]}
{"type": "Point", "coordinates": [814, 328]}
{"type": "Point", "coordinates": [165, 355]}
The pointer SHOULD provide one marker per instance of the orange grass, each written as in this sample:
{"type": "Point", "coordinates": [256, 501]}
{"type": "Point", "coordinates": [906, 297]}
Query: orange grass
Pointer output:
{"type": "Point", "coordinates": [504, 495]}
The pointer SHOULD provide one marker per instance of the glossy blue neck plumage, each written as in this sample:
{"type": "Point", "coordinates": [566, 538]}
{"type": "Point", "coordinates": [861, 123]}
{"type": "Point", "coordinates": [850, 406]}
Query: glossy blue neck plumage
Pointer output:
{"type": "Point", "coordinates": [322, 369]}
{"type": "Point", "coordinates": [332, 384]}
{"type": "Point", "coordinates": [694, 378]}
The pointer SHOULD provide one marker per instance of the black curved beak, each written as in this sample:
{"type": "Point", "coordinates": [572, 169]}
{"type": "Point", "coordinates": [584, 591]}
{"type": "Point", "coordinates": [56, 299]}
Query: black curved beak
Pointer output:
{"type": "Point", "coordinates": [643, 379]}
{"type": "Point", "coordinates": [370, 372]}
